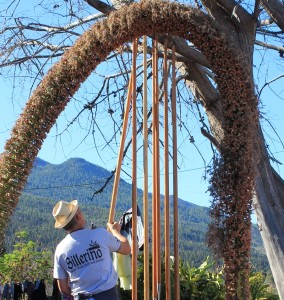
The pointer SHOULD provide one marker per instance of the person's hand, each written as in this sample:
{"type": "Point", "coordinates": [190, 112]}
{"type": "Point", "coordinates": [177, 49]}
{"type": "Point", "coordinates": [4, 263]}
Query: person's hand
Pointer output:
{"type": "Point", "coordinates": [112, 227]}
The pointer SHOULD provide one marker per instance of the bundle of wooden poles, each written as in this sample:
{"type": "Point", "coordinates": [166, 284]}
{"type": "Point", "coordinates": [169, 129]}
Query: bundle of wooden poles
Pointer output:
{"type": "Point", "coordinates": [157, 250]}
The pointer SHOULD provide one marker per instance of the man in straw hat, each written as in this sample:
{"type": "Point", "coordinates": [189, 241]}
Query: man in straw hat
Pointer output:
{"type": "Point", "coordinates": [82, 261]}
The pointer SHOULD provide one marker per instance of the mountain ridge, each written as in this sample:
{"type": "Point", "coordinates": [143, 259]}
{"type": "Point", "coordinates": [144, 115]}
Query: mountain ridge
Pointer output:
{"type": "Point", "coordinates": [79, 179]}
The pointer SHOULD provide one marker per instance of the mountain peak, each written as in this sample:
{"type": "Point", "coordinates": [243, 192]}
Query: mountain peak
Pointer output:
{"type": "Point", "coordinates": [40, 162]}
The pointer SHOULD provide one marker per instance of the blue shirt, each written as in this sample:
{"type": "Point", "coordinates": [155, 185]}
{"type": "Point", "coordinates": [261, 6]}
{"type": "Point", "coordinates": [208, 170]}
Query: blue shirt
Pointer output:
{"type": "Point", "coordinates": [84, 256]}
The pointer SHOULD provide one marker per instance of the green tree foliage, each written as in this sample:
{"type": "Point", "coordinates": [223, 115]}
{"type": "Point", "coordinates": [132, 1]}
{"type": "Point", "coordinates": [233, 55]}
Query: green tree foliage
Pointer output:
{"type": "Point", "coordinates": [205, 282]}
{"type": "Point", "coordinates": [201, 283]}
{"type": "Point", "coordinates": [25, 261]}
{"type": "Point", "coordinates": [260, 288]}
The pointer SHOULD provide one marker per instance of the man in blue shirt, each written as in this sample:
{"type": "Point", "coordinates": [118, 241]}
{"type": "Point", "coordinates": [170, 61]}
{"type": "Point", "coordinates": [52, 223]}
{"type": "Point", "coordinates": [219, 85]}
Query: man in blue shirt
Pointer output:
{"type": "Point", "coordinates": [82, 261]}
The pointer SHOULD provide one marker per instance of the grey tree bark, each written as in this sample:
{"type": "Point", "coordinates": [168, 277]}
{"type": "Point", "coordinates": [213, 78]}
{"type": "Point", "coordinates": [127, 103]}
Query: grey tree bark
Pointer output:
{"type": "Point", "coordinates": [269, 186]}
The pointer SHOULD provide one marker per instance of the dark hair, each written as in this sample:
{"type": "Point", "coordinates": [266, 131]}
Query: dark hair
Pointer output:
{"type": "Point", "coordinates": [72, 222]}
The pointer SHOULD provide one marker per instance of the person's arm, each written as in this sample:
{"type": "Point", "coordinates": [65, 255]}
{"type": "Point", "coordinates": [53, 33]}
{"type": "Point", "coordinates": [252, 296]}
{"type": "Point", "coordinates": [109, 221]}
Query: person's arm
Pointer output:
{"type": "Point", "coordinates": [64, 288]}
{"type": "Point", "coordinates": [124, 248]}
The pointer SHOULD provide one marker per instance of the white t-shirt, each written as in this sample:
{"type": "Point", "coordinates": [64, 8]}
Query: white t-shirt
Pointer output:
{"type": "Point", "coordinates": [85, 257]}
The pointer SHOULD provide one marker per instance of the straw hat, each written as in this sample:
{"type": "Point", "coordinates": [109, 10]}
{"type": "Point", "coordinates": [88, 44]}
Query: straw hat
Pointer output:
{"type": "Point", "coordinates": [63, 212]}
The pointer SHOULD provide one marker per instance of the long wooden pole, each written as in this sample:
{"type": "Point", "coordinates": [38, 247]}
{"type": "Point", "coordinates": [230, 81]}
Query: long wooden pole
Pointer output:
{"type": "Point", "coordinates": [175, 179]}
{"type": "Point", "coordinates": [120, 154]}
{"type": "Point", "coordinates": [154, 172]}
{"type": "Point", "coordinates": [166, 180]}
{"type": "Point", "coordinates": [157, 175]}
{"type": "Point", "coordinates": [157, 180]}
{"type": "Point", "coordinates": [134, 174]}
{"type": "Point", "coordinates": [145, 176]}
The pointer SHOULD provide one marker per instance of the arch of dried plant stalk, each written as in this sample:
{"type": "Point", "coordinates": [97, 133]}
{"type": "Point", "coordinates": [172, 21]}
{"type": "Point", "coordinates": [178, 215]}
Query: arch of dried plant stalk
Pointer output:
{"type": "Point", "coordinates": [232, 179]}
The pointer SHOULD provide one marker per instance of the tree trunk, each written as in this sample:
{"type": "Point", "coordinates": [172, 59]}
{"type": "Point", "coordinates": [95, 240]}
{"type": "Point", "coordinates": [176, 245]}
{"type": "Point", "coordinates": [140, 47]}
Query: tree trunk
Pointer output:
{"type": "Point", "coordinates": [269, 209]}
{"type": "Point", "coordinates": [269, 187]}
{"type": "Point", "coordinates": [275, 9]}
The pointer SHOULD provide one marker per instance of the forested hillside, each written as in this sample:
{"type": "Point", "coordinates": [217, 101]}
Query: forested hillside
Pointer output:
{"type": "Point", "coordinates": [79, 179]}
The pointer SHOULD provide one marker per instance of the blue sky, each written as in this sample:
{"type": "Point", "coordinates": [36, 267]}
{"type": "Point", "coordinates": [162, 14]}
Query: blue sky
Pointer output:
{"type": "Point", "coordinates": [192, 187]}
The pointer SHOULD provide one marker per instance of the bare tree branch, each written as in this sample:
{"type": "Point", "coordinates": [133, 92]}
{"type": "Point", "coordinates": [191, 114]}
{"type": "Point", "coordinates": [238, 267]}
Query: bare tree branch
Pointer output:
{"type": "Point", "coordinates": [268, 83]}
{"type": "Point", "coordinates": [100, 6]}
{"type": "Point", "coordinates": [275, 10]}
{"type": "Point", "coordinates": [270, 46]}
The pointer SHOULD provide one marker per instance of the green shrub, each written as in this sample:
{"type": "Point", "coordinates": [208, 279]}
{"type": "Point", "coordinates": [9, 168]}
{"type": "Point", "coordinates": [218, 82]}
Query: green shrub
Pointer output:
{"type": "Point", "coordinates": [260, 288]}
{"type": "Point", "coordinates": [25, 262]}
{"type": "Point", "coordinates": [201, 283]}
